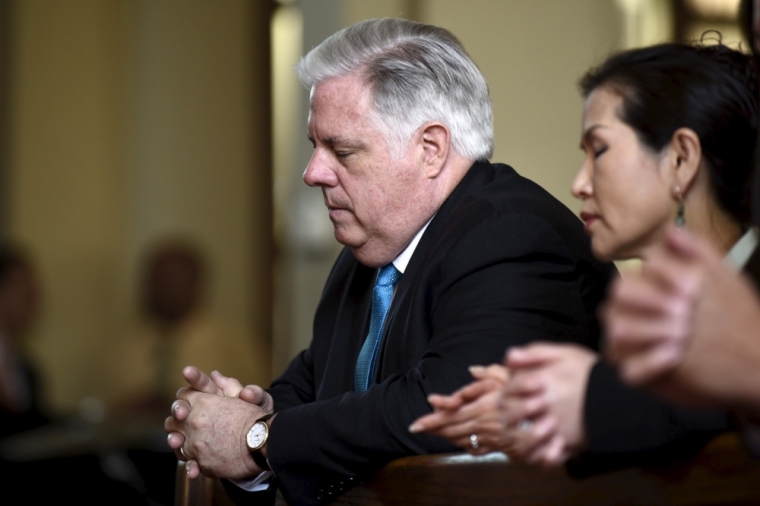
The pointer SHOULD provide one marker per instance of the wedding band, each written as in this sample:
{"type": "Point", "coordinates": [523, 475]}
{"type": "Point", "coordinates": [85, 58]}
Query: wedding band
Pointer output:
{"type": "Point", "coordinates": [182, 451]}
{"type": "Point", "coordinates": [525, 425]}
{"type": "Point", "coordinates": [474, 442]}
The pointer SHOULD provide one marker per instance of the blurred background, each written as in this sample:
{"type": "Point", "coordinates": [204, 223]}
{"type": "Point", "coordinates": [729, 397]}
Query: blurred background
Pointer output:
{"type": "Point", "coordinates": [132, 129]}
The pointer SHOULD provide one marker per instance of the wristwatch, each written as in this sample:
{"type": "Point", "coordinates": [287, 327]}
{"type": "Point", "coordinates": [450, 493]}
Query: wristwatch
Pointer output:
{"type": "Point", "coordinates": [256, 438]}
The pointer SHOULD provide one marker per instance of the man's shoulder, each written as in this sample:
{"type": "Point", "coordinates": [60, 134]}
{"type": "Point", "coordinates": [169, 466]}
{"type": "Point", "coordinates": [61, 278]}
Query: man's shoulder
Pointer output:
{"type": "Point", "coordinates": [491, 190]}
{"type": "Point", "coordinates": [505, 189]}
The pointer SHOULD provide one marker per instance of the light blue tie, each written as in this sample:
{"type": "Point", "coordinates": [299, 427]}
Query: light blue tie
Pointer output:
{"type": "Point", "coordinates": [381, 301]}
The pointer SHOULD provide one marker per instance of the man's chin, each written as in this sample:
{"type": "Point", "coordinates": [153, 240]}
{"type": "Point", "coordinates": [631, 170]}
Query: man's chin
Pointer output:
{"type": "Point", "coordinates": [372, 257]}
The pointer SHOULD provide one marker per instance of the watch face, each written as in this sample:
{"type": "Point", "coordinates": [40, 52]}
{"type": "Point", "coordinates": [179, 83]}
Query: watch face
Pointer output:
{"type": "Point", "coordinates": [257, 435]}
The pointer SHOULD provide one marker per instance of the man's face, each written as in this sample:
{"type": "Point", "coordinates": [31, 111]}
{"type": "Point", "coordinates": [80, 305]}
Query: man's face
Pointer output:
{"type": "Point", "coordinates": [376, 203]}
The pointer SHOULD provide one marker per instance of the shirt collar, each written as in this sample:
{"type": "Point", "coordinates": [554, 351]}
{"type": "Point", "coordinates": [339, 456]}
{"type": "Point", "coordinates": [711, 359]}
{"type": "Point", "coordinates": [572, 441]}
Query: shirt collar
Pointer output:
{"type": "Point", "coordinates": [402, 260]}
{"type": "Point", "coordinates": [739, 254]}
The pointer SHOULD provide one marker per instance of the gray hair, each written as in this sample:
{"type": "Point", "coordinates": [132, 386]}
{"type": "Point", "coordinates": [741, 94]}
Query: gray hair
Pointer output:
{"type": "Point", "coordinates": [417, 74]}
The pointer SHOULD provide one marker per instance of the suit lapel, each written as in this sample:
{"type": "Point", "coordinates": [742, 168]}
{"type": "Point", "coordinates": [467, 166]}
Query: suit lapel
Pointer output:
{"type": "Point", "coordinates": [348, 329]}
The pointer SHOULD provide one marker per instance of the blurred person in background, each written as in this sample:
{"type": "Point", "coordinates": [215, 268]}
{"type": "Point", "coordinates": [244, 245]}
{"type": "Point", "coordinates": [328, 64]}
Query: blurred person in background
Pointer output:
{"type": "Point", "coordinates": [20, 391]}
{"type": "Point", "coordinates": [176, 330]}
{"type": "Point", "coordinates": [36, 450]}
{"type": "Point", "coordinates": [669, 133]}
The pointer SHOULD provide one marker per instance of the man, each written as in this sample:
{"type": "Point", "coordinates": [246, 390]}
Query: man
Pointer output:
{"type": "Point", "coordinates": [472, 259]}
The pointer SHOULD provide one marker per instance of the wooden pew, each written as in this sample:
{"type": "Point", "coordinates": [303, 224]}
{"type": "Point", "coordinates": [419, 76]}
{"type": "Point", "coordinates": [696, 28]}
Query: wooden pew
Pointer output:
{"type": "Point", "coordinates": [722, 473]}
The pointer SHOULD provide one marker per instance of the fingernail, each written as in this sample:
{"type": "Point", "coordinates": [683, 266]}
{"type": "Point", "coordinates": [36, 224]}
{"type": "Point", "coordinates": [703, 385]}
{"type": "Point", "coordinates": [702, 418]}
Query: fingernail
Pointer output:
{"type": "Point", "coordinates": [414, 428]}
{"type": "Point", "coordinates": [476, 368]}
{"type": "Point", "coordinates": [168, 437]}
{"type": "Point", "coordinates": [430, 398]}
{"type": "Point", "coordinates": [187, 469]}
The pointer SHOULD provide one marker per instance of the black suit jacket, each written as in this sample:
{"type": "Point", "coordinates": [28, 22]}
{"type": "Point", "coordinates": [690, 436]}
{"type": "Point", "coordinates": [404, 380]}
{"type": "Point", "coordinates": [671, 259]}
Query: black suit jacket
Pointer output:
{"type": "Point", "coordinates": [626, 425]}
{"type": "Point", "coordinates": [502, 263]}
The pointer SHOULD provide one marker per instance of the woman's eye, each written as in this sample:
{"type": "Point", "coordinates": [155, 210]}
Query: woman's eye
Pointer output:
{"type": "Point", "coordinates": [599, 152]}
{"type": "Point", "coordinates": [342, 154]}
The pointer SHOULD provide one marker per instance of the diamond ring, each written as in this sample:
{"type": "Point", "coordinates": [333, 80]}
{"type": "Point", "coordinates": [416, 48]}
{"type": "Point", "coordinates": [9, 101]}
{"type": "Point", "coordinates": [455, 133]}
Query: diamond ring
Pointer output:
{"type": "Point", "coordinates": [525, 425]}
{"type": "Point", "coordinates": [474, 442]}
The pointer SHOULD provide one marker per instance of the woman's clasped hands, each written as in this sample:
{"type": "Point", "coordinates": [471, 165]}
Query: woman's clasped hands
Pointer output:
{"type": "Point", "coordinates": [530, 408]}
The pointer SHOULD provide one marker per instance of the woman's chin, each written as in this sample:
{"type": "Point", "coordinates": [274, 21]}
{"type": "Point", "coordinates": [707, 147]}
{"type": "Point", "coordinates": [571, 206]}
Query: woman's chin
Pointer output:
{"type": "Point", "coordinates": [602, 252]}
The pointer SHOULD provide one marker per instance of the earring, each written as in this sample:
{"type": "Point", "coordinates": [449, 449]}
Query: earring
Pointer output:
{"type": "Point", "coordinates": [680, 218]}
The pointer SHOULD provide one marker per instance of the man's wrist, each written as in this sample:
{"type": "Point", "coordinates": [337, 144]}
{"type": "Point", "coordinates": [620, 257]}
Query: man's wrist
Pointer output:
{"type": "Point", "coordinates": [264, 449]}
{"type": "Point", "coordinates": [260, 455]}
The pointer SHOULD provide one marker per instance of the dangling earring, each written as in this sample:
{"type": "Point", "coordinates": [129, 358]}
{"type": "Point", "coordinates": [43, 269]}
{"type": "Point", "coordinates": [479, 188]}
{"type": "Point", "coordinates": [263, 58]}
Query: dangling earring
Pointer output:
{"type": "Point", "coordinates": [680, 218]}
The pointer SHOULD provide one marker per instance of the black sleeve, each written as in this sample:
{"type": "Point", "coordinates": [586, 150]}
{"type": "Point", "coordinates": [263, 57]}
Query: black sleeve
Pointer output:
{"type": "Point", "coordinates": [625, 425]}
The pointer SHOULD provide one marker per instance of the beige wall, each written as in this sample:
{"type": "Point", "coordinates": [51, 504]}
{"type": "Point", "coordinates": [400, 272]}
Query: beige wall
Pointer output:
{"type": "Point", "coordinates": [131, 119]}
{"type": "Point", "coordinates": [68, 178]}
{"type": "Point", "coordinates": [354, 11]}
{"type": "Point", "coordinates": [532, 53]}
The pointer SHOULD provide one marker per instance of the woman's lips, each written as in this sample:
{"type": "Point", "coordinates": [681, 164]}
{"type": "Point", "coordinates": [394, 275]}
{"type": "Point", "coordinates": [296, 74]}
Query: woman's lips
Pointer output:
{"type": "Point", "coordinates": [588, 219]}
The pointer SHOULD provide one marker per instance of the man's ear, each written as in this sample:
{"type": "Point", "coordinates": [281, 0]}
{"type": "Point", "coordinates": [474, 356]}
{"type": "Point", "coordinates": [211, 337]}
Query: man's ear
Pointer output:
{"type": "Point", "coordinates": [435, 140]}
{"type": "Point", "coordinates": [687, 150]}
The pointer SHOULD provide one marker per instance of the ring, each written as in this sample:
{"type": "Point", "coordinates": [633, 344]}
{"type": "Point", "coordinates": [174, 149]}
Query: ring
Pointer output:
{"type": "Point", "coordinates": [474, 442]}
{"type": "Point", "coordinates": [182, 451]}
{"type": "Point", "coordinates": [525, 425]}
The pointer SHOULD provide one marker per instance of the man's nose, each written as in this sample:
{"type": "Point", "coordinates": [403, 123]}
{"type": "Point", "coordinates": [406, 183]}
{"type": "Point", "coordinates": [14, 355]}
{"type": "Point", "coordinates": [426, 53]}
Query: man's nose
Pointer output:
{"type": "Point", "coordinates": [319, 171]}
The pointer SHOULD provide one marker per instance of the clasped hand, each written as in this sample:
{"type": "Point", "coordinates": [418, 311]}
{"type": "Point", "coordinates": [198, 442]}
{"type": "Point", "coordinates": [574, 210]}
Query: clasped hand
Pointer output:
{"type": "Point", "coordinates": [209, 422]}
{"type": "Point", "coordinates": [530, 408]}
{"type": "Point", "coordinates": [686, 327]}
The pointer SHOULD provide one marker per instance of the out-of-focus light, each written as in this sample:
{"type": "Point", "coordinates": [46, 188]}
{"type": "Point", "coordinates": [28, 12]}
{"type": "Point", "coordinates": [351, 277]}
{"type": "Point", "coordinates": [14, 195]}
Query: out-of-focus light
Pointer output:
{"type": "Point", "coordinates": [714, 8]}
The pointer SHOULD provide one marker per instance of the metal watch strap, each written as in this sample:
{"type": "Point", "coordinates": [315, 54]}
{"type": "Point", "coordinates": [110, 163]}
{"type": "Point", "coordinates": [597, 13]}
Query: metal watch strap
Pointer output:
{"type": "Point", "coordinates": [258, 455]}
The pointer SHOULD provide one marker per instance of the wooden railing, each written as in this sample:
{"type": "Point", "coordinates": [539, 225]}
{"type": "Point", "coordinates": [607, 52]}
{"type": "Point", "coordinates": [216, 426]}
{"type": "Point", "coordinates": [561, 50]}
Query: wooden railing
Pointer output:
{"type": "Point", "coordinates": [722, 473]}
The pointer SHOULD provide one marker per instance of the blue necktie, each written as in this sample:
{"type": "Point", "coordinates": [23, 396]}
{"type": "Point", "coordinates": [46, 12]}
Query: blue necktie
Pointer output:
{"type": "Point", "coordinates": [381, 301]}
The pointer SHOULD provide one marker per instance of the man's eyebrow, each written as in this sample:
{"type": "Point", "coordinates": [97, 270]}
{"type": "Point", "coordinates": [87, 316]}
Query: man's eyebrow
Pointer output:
{"type": "Point", "coordinates": [343, 142]}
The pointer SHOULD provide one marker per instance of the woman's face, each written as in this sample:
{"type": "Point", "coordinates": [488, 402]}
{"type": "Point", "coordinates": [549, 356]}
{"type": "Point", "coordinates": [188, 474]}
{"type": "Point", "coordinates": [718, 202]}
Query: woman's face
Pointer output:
{"type": "Point", "coordinates": [626, 192]}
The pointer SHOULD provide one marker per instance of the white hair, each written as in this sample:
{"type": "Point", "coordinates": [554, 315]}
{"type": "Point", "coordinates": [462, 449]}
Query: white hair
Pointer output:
{"type": "Point", "coordinates": [417, 74]}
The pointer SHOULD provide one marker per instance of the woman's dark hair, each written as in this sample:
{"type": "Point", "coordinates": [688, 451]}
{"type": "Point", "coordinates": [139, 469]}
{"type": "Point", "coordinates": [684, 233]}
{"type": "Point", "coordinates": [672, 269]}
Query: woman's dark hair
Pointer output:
{"type": "Point", "coordinates": [747, 27]}
{"type": "Point", "coordinates": [710, 89]}
{"type": "Point", "coordinates": [745, 17]}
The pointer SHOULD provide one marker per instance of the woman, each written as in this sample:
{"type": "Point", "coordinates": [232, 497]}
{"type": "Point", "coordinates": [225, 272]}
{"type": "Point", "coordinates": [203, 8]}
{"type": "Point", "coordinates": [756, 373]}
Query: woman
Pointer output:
{"type": "Point", "coordinates": [668, 133]}
{"type": "Point", "coordinates": [707, 350]}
